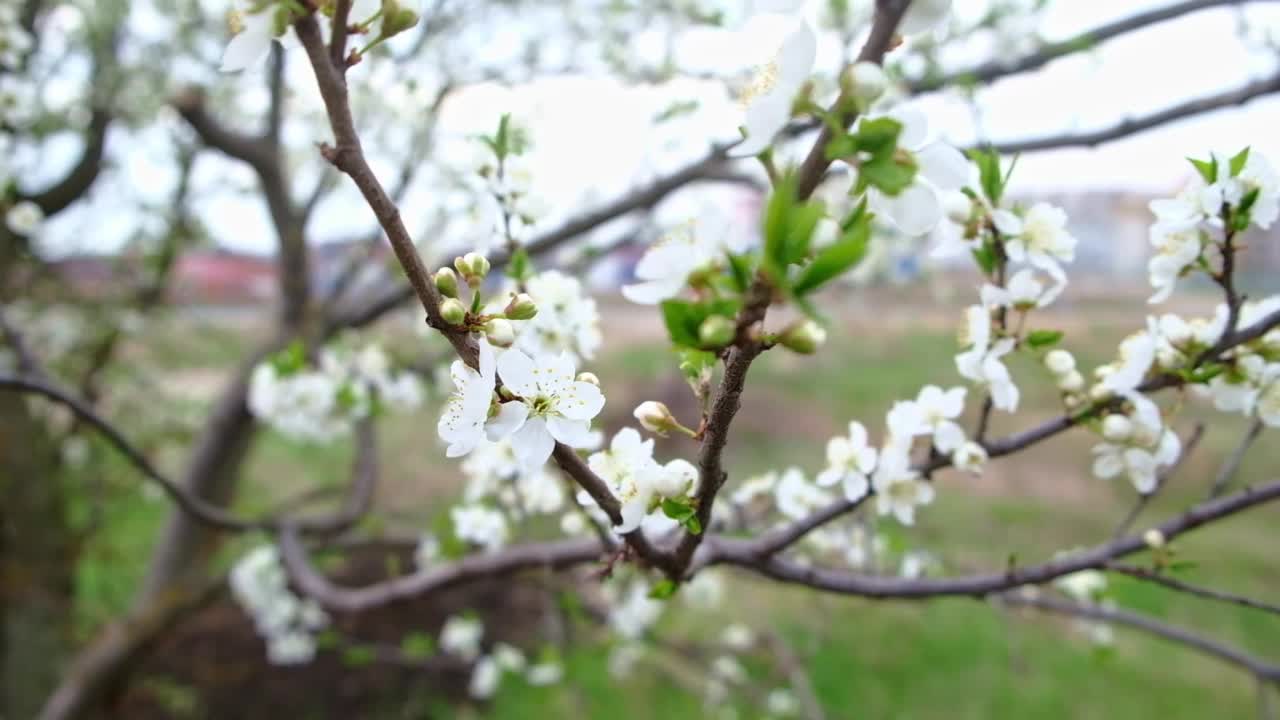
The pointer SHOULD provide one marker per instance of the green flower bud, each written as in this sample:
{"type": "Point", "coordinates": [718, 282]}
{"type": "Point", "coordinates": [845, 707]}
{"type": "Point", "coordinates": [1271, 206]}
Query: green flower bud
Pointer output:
{"type": "Point", "coordinates": [453, 311]}
{"type": "Point", "coordinates": [717, 331]}
{"type": "Point", "coordinates": [447, 282]}
{"type": "Point", "coordinates": [655, 417]}
{"type": "Point", "coordinates": [396, 19]}
{"type": "Point", "coordinates": [521, 307]}
{"type": "Point", "coordinates": [804, 338]}
{"type": "Point", "coordinates": [474, 267]}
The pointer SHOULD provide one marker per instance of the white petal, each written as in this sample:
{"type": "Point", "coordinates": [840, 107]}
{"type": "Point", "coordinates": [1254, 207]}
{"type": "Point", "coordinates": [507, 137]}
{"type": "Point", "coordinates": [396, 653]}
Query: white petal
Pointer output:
{"type": "Point", "coordinates": [916, 210]}
{"type": "Point", "coordinates": [915, 126]}
{"type": "Point", "coordinates": [532, 444]}
{"type": "Point", "coordinates": [764, 119]}
{"type": "Point", "coordinates": [855, 486]}
{"type": "Point", "coordinates": [1007, 223]}
{"type": "Point", "coordinates": [633, 511]}
{"type": "Point", "coordinates": [652, 293]}
{"type": "Point", "coordinates": [574, 433]}
{"type": "Point", "coordinates": [795, 59]}
{"type": "Point", "coordinates": [247, 48]}
{"type": "Point", "coordinates": [486, 359]}
{"type": "Point", "coordinates": [516, 370]}
{"type": "Point", "coordinates": [581, 401]}
{"type": "Point", "coordinates": [828, 477]}
{"type": "Point", "coordinates": [1108, 464]}
{"type": "Point", "coordinates": [944, 166]}
{"type": "Point", "coordinates": [948, 437]}
{"type": "Point", "coordinates": [510, 417]}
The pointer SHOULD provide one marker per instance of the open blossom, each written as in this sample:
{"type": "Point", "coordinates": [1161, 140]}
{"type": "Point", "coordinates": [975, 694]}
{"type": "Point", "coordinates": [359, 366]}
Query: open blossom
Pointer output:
{"type": "Point", "coordinates": [850, 460]}
{"type": "Point", "coordinates": [24, 218]}
{"type": "Point", "coordinates": [461, 636]}
{"type": "Point", "coordinates": [667, 264]}
{"type": "Point", "coordinates": [970, 457]}
{"type": "Point", "coordinates": [1137, 355]}
{"type": "Point", "coordinates": [285, 621]}
{"type": "Point", "coordinates": [1141, 450]}
{"type": "Point", "coordinates": [981, 362]}
{"type": "Point", "coordinates": [1022, 292]}
{"type": "Point", "coordinates": [939, 410]}
{"type": "Point", "coordinates": [796, 497]}
{"type": "Point", "coordinates": [462, 424]}
{"type": "Point", "coordinates": [552, 405]}
{"type": "Point", "coordinates": [1038, 238]}
{"type": "Point", "coordinates": [480, 525]}
{"type": "Point", "coordinates": [637, 479]}
{"type": "Point", "coordinates": [1178, 247]}
{"type": "Point", "coordinates": [899, 488]}
{"type": "Point", "coordinates": [254, 32]}
{"type": "Point", "coordinates": [768, 99]}
{"type": "Point", "coordinates": [918, 208]}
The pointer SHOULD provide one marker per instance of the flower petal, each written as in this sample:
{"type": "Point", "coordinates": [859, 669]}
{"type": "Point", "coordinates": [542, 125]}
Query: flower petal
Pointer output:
{"type": "Point", "coordinates": [510, 418]}
{"type": "Point", "coordinates": [580, 401]}
{"type": "Point", "coordinates": [574, 433]}
{"type": "Point", "coordinates": [916, 210]}
{"type": "Point", "coordinates": [532, 444]}
{"type": "Point", "coordinates": [517, 372]}
{"type": "Point", "coordinates": [247, 48]}
{"type": "Point", "coordinates": [944, 166]}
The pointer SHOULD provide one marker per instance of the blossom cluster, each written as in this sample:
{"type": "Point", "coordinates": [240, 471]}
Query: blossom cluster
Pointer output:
{"type": "Point", "coordinates": [287, 622]}
{"type": "Point", "coordinates": [462, 637]}
{"type": "Point", "coordinates": [321, 401]}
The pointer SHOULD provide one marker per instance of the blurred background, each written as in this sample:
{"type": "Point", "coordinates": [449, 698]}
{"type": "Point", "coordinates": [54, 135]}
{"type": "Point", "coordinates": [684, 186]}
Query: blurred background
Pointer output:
{"type": "Point", "coordinates": [191, 228]}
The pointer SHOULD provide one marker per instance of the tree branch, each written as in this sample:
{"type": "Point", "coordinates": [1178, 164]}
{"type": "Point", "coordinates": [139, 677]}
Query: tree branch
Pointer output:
{"type": "Point", "coordinates": [995, 69]}
{"type": "Point", "coordinates": [1134, 125]}
{"type": "Point", "coordinates": [1258, 667]}
{"type": "Point", "coordinates": [1232, 463]}
{"type": "Point", "coordinates": [1158, 578]}
{"type": "Point", "coordinates": [1188, 447]}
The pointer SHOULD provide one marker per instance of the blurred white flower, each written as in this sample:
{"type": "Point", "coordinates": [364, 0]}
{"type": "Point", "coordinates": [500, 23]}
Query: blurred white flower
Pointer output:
{"type": "Point", "coordinates": [768, 99]}
{"type": "Point", "coordinates": [480, 526]}
{"type": "Point", "coordinates": [461, 636]}
{"type": "Point", "coordinates": [24, 218]}
{"type": "Point", "coordinates": [918, 208]}
{"type": "Point", "coordinates": [850, 460]}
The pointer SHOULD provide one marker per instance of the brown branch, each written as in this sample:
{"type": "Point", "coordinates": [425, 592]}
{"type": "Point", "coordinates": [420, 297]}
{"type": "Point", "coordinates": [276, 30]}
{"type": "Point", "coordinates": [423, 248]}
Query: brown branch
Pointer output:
{"type": "Point", "coordinates": [742, 553]}
{"type": "Point", "coordinates": [1154, 576]}
{"type": "Point", "coordinates": [1232, 464]}
{"type": "Point", "coordinates": [996, 69]}
{"type": "Point", "coordinates": [884, 28]}
{"type": "Point", "coordinates": [1134, 125]}
{"type": "Point", "coordinates": [82, 175]}
{"type": "Point", "coordinates": [338, 34]}
{"type": "Point", "coordinates": [1258, 667]}
{"type": "Point", "coordinates": [552, 555]}
{"type": "Point", "coordinates": [1188, 447]}
{"type": "Point", "coordinates": [354, 507]}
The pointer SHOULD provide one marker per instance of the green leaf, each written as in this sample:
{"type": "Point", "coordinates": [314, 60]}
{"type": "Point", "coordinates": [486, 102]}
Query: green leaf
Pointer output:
{"type": "Point", "coordinates": [291, 359]}
{"type": "Point", "coordinates": [1243, 211]}
{"type": "Point", "coordinates": [1043, 338]}
{"type": "Point", "coordinates": [677, 509]}
{"type": "Point", "coordinates": [694, 363]}
{"type": "Point", "coordinates": [519, 267]}
{"type": "Point", "coordinates": [682, 321]}
{"type": "Point", "coordinates": [878, 136]}
{"type": "Point", "coordinates": [740, 271]}
{"type": "Point", "coordinates": [834, 260]}
{"type": "Point", "coordinates": [1238, 161]}
{"type": "Point", "coordinates": [986, 258]}
{"type": "Point", "coordinates": [888, 173]}
{"type": "Point", "coordinates": [989, 175]}
{"type": "Point", "coordinates": [418, 645]}
{"type": "Point", "coordinates": [788, 228]}
{"type": "Point", "coordinates": [358, 656]}
{"type": "Point", "coordinates": [692, 524]}
{"type": "Point", "coordinates": [804, 219]}
{"type": "Point", "coordinates": [663, 589]}
{"type": "Point", "coordinates": [1208, 169]}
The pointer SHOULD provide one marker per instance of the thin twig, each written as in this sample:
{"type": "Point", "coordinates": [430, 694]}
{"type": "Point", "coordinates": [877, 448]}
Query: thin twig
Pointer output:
{"type": "Point", "coordinates": [1188, 447]}
{"type": "Point", "coordinates": [1232, 464]}
{"type": "Point", "coordinates": [1159, 578]}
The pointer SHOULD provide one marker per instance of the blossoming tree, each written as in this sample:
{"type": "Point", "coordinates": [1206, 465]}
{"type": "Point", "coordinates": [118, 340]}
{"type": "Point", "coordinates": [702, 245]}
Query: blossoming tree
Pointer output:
{"type": "Point", "coordinates": [845, 157]}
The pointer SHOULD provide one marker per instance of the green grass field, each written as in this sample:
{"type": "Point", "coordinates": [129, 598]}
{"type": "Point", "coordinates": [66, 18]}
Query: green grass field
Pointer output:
{"type": "Point", "coordinates": [960, 658]}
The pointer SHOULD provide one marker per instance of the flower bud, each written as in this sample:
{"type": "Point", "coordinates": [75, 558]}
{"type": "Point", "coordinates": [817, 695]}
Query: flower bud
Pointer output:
{"type": "Point", "coordinates": [1059, 362]}
{"type": "Point", "coordinates": [1098, 393]}
{"type": "Point", "coordinates": [521, 307]}
{"type": "Point", "coordinates": [1153, 538]}
{"type": "Point", "coordinates": [868, 82]}
{"type": "Point", "coordinates": [396, 19]}
{"type": "Point", "coordinates": [1117, 428]}
{"type": "Point", "coordinates": [717, 331]}
{"type": "Point", "coordinates": [453, 311]}
{"type": "Point", "coordinates": [447, 282]}
{"type": "Point", "coordinates": [655, 417]}
{"type": "Point", "coordinates": [500, 332]}
{"type": "Point", "coordinates": [589, 377]}
{"type": "Point", "coordinates": [473, 266]}
{"type": "Point", "coordinates": [804, 338]}
{"type": "Point", "coordinates": [1072, 382]}
{"type": "Point", "coordinates": [970, 457]}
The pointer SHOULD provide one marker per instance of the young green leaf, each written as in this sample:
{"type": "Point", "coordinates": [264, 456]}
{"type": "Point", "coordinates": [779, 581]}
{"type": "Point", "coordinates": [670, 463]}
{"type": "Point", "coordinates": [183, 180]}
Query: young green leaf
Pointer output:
{"type": "Point", "coordinates": [1043, 338]}
{"type": "Point", "coordinates": [1238, 161]}
{"type": "Point", "coordinates": [835, 259]}
{"type": "Point", "coordinates": [1208, 169]}
{"type": "Point", "coordinates": [663, 589]}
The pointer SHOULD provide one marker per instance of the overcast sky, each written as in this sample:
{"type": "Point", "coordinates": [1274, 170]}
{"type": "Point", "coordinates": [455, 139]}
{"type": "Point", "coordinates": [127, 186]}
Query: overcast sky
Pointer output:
{"type": "Point", "coordinates": [579, 120]}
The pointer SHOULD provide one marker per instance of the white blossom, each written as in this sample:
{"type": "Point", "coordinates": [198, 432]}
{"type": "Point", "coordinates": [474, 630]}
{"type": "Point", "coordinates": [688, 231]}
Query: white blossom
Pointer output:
{"type": "Point", "coordinates": [1039, 238]}
{"type": "Point", "coordinates": [970, 457]}
{"type": "Point", "coordinates": [638, 480]}
{"type": "Point", "coordinates": [252, 39]}
{"type": "Point", "coordinates": [1177, 247]}
{"type": "Point", "coordinates": [917, 209]}
{"type": "Point", "coordinates": [692, 247]}
{"type": "Point", "coordinates": [796, 497]}
{"type": "Point", "coordinates": [286, 622]}
{"type": "Point", "coordinates": [768, 99]}
{"type": "Point", "coordinates": [850, 461]}
{"type": "Point", "coordinates": [635, 612]}
{"type": "Point", "coordinates": [24, 218]}
{"type": "Point", "coordinates": [981, 361]}
{"type": "Point", "coordinates": [939, 410]}
{"type": "Point", "coordinates": [1022, 292]}
{"type": "Point", "coordinates": [480, 525]}
{"type": "Point", "coordinates": [552, 405]}
{"type": "Point", "coordinates": [461, 636]}
{"type": "Point", "coordinates": [485, 676]}
{"type": "Point", "coordinates": [466, 413]}
{"type": "Point", "coordinates": [899, 488]}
